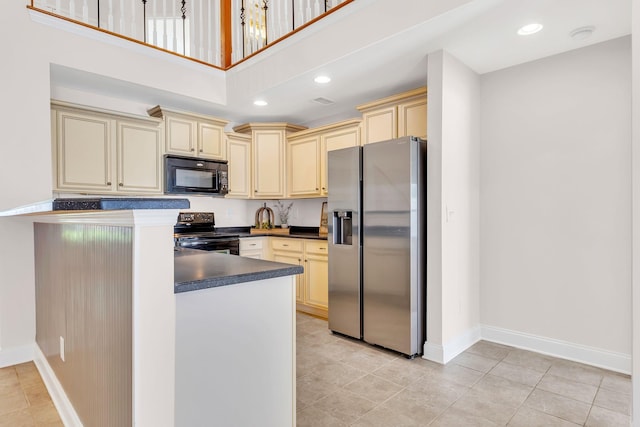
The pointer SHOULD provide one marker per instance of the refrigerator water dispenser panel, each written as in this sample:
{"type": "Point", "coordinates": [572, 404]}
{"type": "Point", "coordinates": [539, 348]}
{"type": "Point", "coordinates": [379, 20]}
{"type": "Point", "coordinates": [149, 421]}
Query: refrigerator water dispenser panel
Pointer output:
{"type": "Point", "coordinates": [342, 228]}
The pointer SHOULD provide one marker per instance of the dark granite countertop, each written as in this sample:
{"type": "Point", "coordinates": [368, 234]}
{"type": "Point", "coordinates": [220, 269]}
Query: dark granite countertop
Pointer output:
{"type": "Point", "coordinates": [295, 232]}
{"type": "Point", "coordinates": [196, 270]}
{"type": "Point", "coordinates": [117, 203]}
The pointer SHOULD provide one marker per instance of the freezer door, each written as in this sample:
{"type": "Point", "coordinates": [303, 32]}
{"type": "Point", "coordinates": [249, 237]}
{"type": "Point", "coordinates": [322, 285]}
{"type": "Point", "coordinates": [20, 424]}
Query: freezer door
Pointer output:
{"type": "Point", "coordinates": [393, 263]}
{"type": "Point", "coordinates": [344, 169]}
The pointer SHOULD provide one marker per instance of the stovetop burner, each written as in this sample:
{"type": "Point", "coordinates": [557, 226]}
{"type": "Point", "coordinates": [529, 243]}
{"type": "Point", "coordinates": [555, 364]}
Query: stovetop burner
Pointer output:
{"type": "Point", "coordinates": [196, 230]}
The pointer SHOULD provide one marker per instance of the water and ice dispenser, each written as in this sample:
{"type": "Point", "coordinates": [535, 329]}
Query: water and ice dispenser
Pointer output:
{"type": "Point", "coordinates": [342, 227]}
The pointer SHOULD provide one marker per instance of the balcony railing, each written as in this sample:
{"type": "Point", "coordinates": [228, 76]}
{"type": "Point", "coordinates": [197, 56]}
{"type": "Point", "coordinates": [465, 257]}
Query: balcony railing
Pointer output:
{"type": "Point", "coordinates": [220, 33]}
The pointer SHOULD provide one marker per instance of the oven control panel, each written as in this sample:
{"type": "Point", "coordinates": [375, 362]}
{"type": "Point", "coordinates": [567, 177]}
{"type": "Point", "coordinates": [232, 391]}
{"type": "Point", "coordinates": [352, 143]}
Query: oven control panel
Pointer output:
{"type": "Point", "coordinates": [195, 218]}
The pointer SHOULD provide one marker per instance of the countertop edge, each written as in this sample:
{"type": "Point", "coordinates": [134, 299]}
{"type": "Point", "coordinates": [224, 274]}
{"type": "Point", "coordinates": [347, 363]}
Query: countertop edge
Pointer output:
{"type": "Point", "coordinates": [216, 282]}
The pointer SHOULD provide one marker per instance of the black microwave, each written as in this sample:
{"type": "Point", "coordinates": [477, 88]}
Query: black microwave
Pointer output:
{"type": "Point", "coordinates": [189, 175]}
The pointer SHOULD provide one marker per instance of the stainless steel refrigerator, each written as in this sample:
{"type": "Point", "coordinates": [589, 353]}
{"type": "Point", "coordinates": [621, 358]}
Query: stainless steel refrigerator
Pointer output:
{"type": "Point", "coordinates": [377, 247]}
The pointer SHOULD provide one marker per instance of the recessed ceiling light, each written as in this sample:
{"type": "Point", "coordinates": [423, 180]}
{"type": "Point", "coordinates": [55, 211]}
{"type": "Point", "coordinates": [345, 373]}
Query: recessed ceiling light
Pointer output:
{"type": "Point", "coordinates": [260, 103]}
{"type": "Point", "coordinates": [528, 29]}
{"type": "Point", "coordinates": [582, 32]}
{"type": "Point", "coordinates": [322, 79]}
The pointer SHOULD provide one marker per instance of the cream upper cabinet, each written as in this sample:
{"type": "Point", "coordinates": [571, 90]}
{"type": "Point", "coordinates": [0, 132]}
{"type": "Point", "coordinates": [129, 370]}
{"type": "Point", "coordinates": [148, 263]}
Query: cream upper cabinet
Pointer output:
{"type": "Point", "coordinates": [303, 166]}
{"type": "Point", "coordinates": [83, 151]}
{"type": "Point", "coordinates": [139, 156]}
{"type": "Point", "coordinates": [99, 152]}
{"type": "Point", "coordinates": [340, 135]}
{"type": "Point", "coordinates": [239, 155]}
{"type": "Point", "coordinates": [193, 135]}
{"type": "Point", "coordinates": [396, 116]}
{"type": "Point", "coordinates": [268, 157]}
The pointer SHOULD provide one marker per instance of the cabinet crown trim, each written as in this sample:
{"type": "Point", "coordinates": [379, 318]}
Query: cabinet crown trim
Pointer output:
{"type": "Point", "coordinates": [287, 127]}
{"type": "Point", "coordinates": [160, 112]}
{"type": "Point", "coordinates": [327, 128]}
{"type": "Point", "coordinates": [68, 106]}
{"type": "Point", "coordinates": [394, 99]}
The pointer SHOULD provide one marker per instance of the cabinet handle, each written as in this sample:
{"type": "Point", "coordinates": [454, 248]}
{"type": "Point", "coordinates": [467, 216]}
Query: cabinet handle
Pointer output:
{"type": "Point", "coordinates": [286, 246]}
{"type": "Point", "coordinates": [108, 182]}
{"type": "Point", "coordinates": [322, 249]}
{"type": "Point", "coordinates": [253, 244]}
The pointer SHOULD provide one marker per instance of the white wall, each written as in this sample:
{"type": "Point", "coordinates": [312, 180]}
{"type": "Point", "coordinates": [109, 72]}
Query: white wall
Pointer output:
{"type": "Point", "coordinates": [25, 148]}
{"type": "Point", "coordinates": [555, 202]}
{"type": "Point", "coordinates": [452, 205]}
{"type": "Point", "coordinates": [635, 164]}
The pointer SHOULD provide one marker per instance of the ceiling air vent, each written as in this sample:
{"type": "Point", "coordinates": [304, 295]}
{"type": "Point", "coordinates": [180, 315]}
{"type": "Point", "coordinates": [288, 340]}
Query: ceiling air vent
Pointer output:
{"type": "Point", "coordinates": [323, 101]}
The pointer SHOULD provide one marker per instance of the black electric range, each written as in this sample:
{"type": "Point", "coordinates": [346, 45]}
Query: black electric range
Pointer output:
{"type": "Point", "coordinates": [196, 230]}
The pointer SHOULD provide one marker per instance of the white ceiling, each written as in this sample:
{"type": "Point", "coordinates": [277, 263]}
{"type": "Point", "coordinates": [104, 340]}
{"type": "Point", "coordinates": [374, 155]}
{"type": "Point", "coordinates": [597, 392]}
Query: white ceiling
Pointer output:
{"type": "Point", "coordinates": [391, 41]}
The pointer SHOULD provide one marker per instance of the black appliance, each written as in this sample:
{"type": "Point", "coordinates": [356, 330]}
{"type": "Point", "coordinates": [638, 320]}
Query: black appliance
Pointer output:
{"type": "Point", "coordinates": [190, 175]}
{"type": "Point", "coordinates": [196, 230]}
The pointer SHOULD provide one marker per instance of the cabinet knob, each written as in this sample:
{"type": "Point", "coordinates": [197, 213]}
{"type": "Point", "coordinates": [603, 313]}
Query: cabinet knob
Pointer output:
{"type": "Point", "coordinates": [121, 185]}
{"type": "Point", "coordinates": [299, 260]}
{"type": "Point", "coordinates": [192, 149]}
{"type": "Point", "coordinates": [108, 182]}
{"type": "Point", "coordinates": [324, 188]}
{"type": "Point", "coordinates": [316, 188]}
{"type": "Point", "coordinates": [255, 191]}
{"type": "Point", "coordinates": [306, 260]}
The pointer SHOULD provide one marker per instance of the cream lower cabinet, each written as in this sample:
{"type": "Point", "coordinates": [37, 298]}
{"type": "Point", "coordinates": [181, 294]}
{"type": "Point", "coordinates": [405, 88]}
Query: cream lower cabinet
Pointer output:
{"type": "Point", "coordinates": [95, 152]}
{"type": "Point", "coordinates": [254, 247]}
{"type": "Point", "coordinates": [290, 251]}
{"type": "Point", "coordinates": [239, 155]}
{"type": "Point", "coordinates": [312, 294]}
{"type": "Point", "coordinates": [404, 114]}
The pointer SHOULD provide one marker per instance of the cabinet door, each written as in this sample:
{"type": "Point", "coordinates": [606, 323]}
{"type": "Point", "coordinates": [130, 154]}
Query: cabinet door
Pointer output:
{"type": "Point", "coordinates": [139, 157]}
{"type": "Point", "coordinates": [412, 118]}
{"type": "Point", "coordinates": [380, 125]}
{"type": "Point", "coordinates": [268, 164]}
{"type": "Point", "coordinates": [181, 135]}
{"type": "Point", "coordinates": [239, 152]}
{"type": "Point", "coordinates": [334, 141]}
{"type": "Point", "coordinates": [84, 152]}
{"type": "Point", "coordinates": [211, 144]}
{"type": "Point", "coordinates": [316, 281]}
{"type": "Point", "coordinates": [295, 259]}
{"type": "Point", "coordinates": [303, 167]}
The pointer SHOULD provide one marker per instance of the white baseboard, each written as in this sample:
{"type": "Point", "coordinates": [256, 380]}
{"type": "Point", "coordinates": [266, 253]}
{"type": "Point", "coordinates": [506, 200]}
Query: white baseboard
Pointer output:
{"type": "Point", "coordinates": [17, 355]}
{"type": "Point", "coordinates": [444, 353]}
{"type": "Point", "coordinates": [618, 362]}
{"type": "Point", "coordinates": [65, 409]}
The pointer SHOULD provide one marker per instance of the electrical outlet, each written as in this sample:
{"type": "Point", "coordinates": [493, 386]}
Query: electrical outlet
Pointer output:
{"type": "Point", "coordinates": [62, 348]}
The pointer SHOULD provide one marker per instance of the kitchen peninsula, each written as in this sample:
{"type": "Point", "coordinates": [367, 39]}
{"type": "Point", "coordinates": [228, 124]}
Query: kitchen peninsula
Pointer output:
{"type": "Point", "coordinates": [124, 338]}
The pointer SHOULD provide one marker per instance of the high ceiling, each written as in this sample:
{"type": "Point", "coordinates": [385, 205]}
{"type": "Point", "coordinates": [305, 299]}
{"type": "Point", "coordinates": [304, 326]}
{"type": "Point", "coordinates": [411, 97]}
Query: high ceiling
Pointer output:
{"type": "Point", "coordinates": [375, 48]}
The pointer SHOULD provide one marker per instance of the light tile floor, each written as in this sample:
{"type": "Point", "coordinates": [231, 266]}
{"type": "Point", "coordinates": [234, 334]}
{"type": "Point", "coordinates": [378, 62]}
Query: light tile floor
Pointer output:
{"type": "Point", "coordinates": [343, 382]}
{"type": "Point", "coordinates": [24, 400]}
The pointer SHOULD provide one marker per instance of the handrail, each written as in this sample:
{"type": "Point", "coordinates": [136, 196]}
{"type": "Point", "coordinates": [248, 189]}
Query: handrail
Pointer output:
{"type": "Point", "coordinates": [210, 32]}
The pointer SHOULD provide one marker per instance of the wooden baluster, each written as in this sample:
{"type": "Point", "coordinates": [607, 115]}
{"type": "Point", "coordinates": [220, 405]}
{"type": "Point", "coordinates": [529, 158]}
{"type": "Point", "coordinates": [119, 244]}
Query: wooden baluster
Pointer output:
{"type": "Point", "coordinates": [134, 30]}
{"type": "Point", "coordinates": [212, 40]}
{"type": "Point", "coordinates": [154, 21]}
{"type": "Point", "coordinates": [58, 7]}
{"type": "Point", "coordinates": [121, 20]}
{"type": "Point", "coordinates": [164, 24]}
{"type": "Point", "coordinates": [301, 20]}
{"type": "Point", "coordinates": [85, 11]}
{"type": "Point", "coordinates": [201, 54]}
{"type": "Point", "coordinates": [316, 9]}
{"type": "Point", "coordinates": [72, 9]}
{"type": "Point", "coordinates": [110, 16]}
{"type": "Point", "coordinates": [308, 15]}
